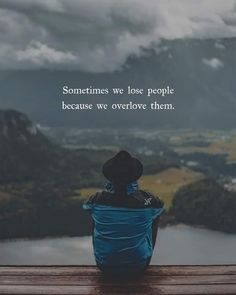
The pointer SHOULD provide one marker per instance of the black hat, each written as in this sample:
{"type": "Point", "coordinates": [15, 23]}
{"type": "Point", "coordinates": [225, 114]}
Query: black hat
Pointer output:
{"type": "Point", "coordinates": [122, 168]}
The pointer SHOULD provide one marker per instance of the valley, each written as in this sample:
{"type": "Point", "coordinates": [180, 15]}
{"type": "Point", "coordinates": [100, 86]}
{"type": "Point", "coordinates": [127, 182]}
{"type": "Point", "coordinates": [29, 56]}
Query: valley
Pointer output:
{"type": "Point", "coordinates": [46, 174]}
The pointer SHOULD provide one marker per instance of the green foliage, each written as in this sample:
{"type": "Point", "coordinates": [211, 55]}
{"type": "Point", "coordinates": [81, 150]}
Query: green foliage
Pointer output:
{"type": "Point", "coordinates": [206, 203]}
{"type": "Point", "coordinates": [44, 212]}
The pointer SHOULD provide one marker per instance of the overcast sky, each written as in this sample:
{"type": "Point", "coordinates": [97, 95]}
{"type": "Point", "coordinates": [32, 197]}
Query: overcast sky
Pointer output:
{"type": "Point", "coordinates": [99, 35]}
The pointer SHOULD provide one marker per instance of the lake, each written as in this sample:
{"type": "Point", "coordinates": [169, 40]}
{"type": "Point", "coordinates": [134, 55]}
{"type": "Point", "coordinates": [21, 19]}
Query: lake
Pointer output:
{"type": "Point", "coordinates": [179, 244]}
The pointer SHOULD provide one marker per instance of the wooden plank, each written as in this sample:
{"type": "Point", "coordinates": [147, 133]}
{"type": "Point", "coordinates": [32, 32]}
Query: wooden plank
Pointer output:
{"type": "Point", "coordinates": [95, 280]}
{"type": "Point", "coordinates": [92, 270]}
{"type": "Point", "coordinates": [192, 270]}
{"type": "Point", "coordinates": [88, 280]}
{"type": "Point", "coordinates": [105, 290]}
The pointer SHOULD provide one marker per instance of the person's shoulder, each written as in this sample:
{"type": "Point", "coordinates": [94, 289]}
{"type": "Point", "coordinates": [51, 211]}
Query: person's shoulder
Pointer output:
{"type": "Point", "coordinates": [98, 198]}
{"type": "Point", "coordinates": [148, 199]}
{"type": "Point", "coordinates": [138, 199]}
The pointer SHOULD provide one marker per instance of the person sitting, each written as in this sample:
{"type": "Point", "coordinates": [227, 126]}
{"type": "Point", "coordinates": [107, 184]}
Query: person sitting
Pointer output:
{"type": "Point", "coordinates": [125, 218]}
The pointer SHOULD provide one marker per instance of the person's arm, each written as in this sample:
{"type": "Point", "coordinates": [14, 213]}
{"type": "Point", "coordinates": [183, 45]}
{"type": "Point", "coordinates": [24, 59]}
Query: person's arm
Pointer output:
{"type": "Point", "coordinates": [155, 203]}
{"type": "Point", "coordinates": [154, 231]}
{"type": "Point", "coordinates": [92, 228]}
{"type": "Point", "coordinates": [91, 200]}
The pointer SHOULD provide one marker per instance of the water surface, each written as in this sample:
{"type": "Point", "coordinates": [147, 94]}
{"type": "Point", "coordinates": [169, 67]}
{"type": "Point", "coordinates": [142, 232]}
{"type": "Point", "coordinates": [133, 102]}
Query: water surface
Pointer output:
{"type": "Point", "coordinates": [179, 244]}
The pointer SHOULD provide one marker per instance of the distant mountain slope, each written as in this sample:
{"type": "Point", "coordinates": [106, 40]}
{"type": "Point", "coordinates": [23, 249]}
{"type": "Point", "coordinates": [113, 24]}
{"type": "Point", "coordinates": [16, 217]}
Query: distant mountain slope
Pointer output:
{"type": "Point", "coordinates": [39, 181]}
{"type": "Point", "coordinates": [201, 71]}
{"type": "Point", "coordinates": [28, 155]}
{"type": "Point", "coordinates": [25, 153]}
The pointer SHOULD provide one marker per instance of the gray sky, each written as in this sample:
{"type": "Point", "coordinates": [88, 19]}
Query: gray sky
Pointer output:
{"type": "Point", "coordinates": [99, 36]}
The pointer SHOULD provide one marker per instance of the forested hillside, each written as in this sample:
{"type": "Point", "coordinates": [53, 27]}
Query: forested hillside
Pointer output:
{"type": "Point", "coordinates": [206, 203]}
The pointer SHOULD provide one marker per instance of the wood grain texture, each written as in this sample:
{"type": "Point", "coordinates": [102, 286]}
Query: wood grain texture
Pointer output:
{"type": "Point", "coordinates": [88, 280]}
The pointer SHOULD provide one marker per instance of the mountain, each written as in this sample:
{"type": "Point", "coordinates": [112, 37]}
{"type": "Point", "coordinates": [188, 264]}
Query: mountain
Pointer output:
{"type": "Point", "coordinates": [201, 71]}
{"type": "Point", "coordinates": [16, 126]}
{"type": "Point", "coordinates": [40, 181]}
{"type": "Point", "coordinates": [25, 153]}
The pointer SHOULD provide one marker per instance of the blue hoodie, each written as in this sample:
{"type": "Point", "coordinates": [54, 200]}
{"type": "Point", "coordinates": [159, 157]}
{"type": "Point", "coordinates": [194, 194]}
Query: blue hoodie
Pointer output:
{"type": "Point", "coordinates": [122, 237]}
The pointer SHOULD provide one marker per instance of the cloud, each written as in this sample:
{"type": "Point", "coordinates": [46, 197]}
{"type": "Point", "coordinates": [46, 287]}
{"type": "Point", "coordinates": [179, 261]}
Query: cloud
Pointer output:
{"type": "Point", "coordinates": [41, 55]}
{"type": "Point", "coordinates": [219, 45]}
{"type": "Point", "coordinates": [213, 63]}
{"type": "Point", "coordinates": [99, 36]}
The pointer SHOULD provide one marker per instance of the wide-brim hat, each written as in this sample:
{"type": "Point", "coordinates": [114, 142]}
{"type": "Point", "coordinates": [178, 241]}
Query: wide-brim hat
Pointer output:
{"type": "Point", "coordinates": [122, 168]}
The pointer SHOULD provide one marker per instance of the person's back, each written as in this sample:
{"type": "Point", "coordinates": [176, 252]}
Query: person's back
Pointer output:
{"type": "Point", "coordinates": [125, 221]}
